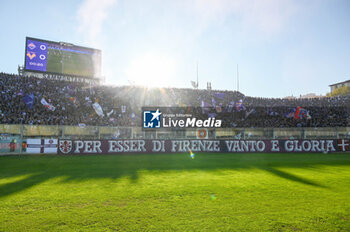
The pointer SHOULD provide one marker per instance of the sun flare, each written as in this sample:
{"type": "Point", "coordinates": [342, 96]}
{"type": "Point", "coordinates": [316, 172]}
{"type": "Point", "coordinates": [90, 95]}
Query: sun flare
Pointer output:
{"type": "Point", "coordinates": [151, 70]}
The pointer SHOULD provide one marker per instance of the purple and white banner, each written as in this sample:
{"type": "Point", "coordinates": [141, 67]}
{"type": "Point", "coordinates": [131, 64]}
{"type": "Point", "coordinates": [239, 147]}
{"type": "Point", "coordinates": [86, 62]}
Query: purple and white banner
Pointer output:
{"type": "Point", "coordinates": [225, 146]}
{"type": "Point", "coordinates": [42, 146]}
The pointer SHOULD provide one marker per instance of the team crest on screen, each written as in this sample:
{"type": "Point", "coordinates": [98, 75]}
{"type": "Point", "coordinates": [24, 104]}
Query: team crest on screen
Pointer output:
{"type": "Point", "coordinates": [65, 146]}
{"type": "Point", "coordinates": [31, 55]}
{"type": "Point", "coordinates": [31, 46]}
{"type": "Point", "coordinates": [152, 118]}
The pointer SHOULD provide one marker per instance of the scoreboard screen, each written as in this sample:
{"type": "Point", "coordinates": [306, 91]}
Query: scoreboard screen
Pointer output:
{"type": "Point", "coordinates": [61, 58]}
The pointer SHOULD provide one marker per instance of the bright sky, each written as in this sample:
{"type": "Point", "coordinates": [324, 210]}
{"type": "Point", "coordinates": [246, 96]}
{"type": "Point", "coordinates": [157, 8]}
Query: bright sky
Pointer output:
{"type": "Point", "coordinates": [283, 47]}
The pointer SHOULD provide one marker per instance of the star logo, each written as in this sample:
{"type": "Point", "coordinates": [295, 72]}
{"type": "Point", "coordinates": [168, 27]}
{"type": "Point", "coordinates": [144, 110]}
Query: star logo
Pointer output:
{"type": "Point", "coordinates": [152, 118]}
{"type": "Point", "coordinates": [156, 115]}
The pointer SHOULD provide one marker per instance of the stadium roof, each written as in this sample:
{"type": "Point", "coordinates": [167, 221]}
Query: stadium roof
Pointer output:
{"type": "Point", "coordinates": [340, 83]}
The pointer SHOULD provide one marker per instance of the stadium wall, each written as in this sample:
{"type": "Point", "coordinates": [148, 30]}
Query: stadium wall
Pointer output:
{"type": "Point", "coordinates": [14, 138]}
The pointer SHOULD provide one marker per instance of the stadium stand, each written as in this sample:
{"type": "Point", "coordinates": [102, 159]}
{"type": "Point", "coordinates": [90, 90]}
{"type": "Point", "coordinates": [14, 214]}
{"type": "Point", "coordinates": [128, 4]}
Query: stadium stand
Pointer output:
{"type": "Point", "coordinates": [34, 101]}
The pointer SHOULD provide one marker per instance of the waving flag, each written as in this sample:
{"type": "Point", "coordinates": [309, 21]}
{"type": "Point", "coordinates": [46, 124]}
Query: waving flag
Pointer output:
{"type": "Point", "coordinates": [29, 100]}
{"type": "Point", "coordinates": [123, 109]}
{"type": "Point", "coordinates": [98, 109]}
{"type": "Point", "coordinates": [218, 108]}
{"type": "Point", "coordinates": [240, 106]}
{"type": "Point", "coordinates": [205, 107]}
{"type": "Point", "coordinates": [111, 112]}
{"type": "Point", "coordinates": [301, 113]}
{"type": "Point", "coordinates": [247, 113]}
{"type": "Point", "coordinates": [230, 107]}
{"type": "Point", "coordinates": [47, 105]}
{"type": "Point", "coordinates": [194, 84]}
{"type": "Point", "coordinates": [219, 95]}
{"type": "Point", "coordinates": [213, 102]}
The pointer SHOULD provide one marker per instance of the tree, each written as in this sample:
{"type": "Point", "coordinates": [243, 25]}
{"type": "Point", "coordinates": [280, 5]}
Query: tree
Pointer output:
{"type": "Point", "coordinates": [341, 91]}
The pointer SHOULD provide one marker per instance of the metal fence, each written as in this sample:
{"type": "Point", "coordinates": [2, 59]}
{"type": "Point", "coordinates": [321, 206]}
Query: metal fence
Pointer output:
{"type": "Point", "coordinates": [13, 137]}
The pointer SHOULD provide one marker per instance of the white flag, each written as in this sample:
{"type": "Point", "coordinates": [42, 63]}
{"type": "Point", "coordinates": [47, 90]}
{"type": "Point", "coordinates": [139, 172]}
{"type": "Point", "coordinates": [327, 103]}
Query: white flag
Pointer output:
{"type": "Point", "coordinates": [47, 105]}
{"type": "Point", "coordinates": [123, 109]}
{"type": "Point", "coordinates": [109, 114]}
{"type": "Point", "coordinates": [98, 109]}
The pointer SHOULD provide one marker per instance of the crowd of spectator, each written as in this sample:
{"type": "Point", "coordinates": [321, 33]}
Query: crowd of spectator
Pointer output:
{"type": "Point", "coordinates": [56, 102]}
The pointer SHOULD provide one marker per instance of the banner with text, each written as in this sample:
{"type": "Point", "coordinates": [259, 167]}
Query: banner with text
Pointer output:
{"type": "Point", "coordinates": [226, 146]}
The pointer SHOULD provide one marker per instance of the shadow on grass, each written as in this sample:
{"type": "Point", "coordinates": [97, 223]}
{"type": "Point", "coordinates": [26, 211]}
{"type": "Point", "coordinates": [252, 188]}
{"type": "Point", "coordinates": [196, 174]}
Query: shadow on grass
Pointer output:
{"type": "Point", "coordinates": [80, 168]}
{"type": "Point", "coordinates": [292, 177]}
{"type": "Point", "coordinates": [20, 185]}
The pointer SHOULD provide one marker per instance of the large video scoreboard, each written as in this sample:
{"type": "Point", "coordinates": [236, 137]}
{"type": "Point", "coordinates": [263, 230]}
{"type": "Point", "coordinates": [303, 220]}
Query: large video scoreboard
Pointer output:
{"type": "Point", "coordinates": [61, 58]}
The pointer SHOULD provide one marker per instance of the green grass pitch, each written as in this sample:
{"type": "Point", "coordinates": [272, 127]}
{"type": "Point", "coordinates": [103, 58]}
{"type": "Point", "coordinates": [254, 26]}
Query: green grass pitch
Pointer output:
{"type": "Point", "coordinates": [172, 192]}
